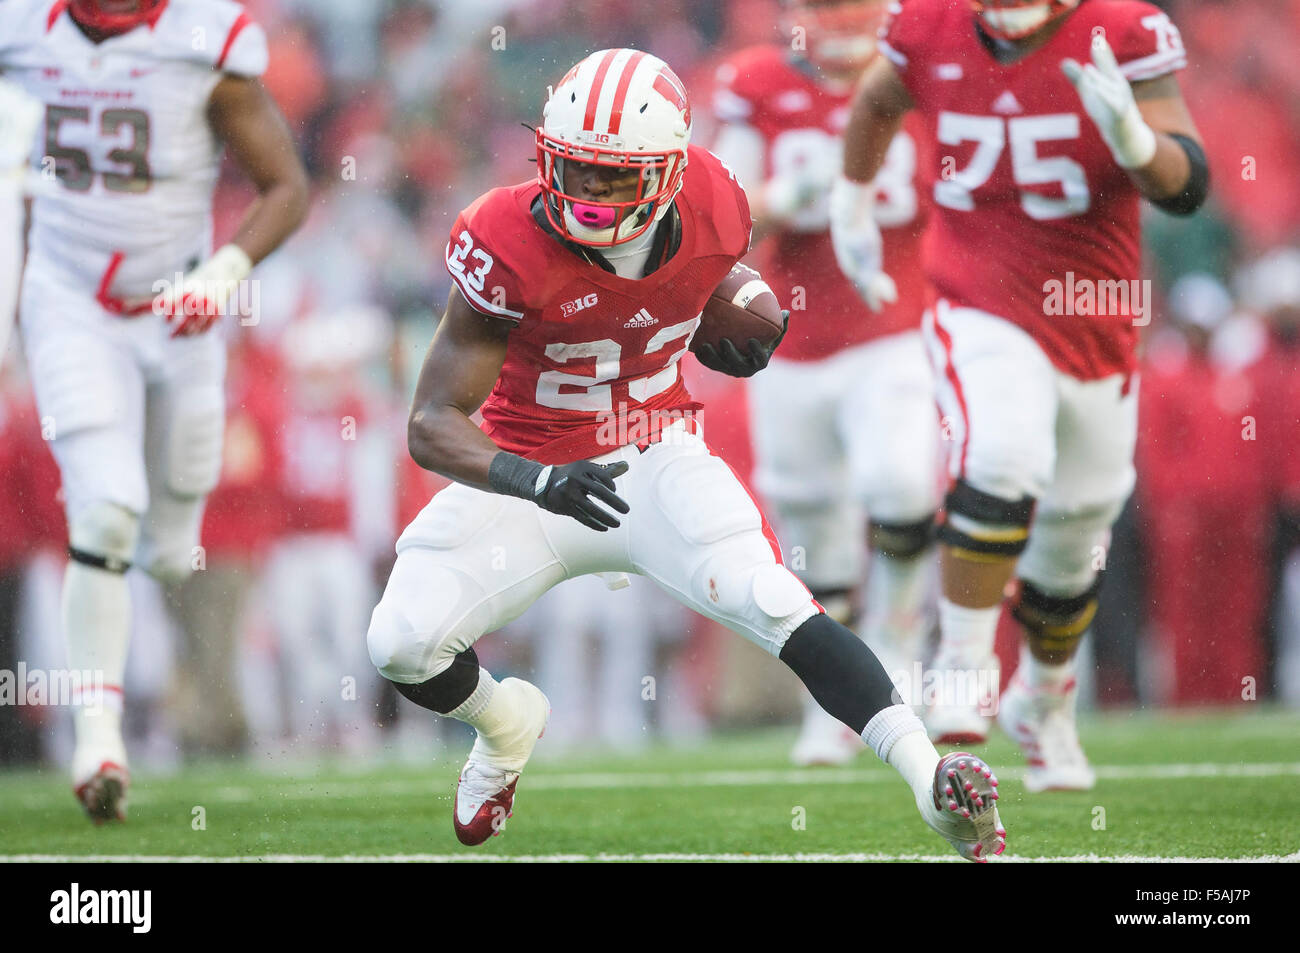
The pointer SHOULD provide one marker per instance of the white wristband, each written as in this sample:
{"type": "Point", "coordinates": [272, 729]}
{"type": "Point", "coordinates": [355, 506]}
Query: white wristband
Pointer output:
{"type": "Point", "coordinates": [852, 201]}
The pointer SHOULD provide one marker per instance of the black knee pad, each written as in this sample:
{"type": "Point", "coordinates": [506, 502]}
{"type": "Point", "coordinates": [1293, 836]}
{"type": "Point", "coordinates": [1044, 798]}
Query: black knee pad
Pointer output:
{"type": "Point", "coordinates": [1054, 624]}
{"type": "Point", "coordinates": [902, 540]}
{"type": "Point", "coordinates": [447, 690]}
{"type": "Point", "coordinates": [839, 604]}
{"type": "Point", "coordinates": [982, 527]}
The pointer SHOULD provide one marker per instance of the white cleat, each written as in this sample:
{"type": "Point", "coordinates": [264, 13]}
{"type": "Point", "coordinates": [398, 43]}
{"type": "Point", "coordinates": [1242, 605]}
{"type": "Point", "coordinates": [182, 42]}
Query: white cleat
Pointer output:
{"type": "Point", "coordinates": [100, 782]}
{"type": "Point", "coordinates": [1041, 721]}
{"type": "Point", "coordinates": [960, 698]}
{"type": "Point", "coordinates": [824, 741]}
{"type": "Point", "coordinates": [962, 808]}
{"type": "Point", "coordinates": [485, 791]}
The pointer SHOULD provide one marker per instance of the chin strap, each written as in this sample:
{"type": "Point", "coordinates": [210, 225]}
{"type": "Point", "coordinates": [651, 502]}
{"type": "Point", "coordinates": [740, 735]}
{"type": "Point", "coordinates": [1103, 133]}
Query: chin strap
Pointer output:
{"type": "Point", "coordinates": [668, 238]}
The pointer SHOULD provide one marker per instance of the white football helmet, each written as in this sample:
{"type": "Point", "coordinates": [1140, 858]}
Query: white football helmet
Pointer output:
{"type": "Point", "coordinates": [622, 109]}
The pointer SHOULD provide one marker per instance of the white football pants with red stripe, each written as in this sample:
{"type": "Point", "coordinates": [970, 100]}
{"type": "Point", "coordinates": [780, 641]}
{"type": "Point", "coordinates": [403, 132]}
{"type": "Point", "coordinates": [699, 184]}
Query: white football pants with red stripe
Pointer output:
{"type": "Point", "coordinates": [472, 560]}
{"type": "Point", "coordinates": [1021, 427]}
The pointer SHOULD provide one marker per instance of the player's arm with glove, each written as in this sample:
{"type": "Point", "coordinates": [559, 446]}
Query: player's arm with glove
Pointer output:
{"type": "Point", "coordinates": [463, 364]}
{"type": "Point", "coordinates": [1147, 127]}
{"type": "Point", "coordinates": [875, 115]}
{"type": "Point", "coordinates": [244, 117]}
{"type": "Point", "coordinates": [726, 358]}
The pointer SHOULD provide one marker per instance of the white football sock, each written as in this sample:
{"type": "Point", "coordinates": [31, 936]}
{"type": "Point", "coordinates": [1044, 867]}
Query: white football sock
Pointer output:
{"type": "Point", "coordinates": [899, 739]}
{"type": "Point", "coordinates": [895, 597]}
{"type": "Point", "coordinates": [504, 715]}
{"type": "Point", "coordinates": [967, 633]}
{"type": "Point", "coordinates": [97, 621]}
{"type": "Point", "coordinates": [1043, 675]}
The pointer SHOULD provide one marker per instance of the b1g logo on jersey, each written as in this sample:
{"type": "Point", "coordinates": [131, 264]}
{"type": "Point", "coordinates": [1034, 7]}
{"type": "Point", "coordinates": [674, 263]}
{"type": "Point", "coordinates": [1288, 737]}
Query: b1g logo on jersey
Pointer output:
{"type": "Point", "coordinates": [570, 308]}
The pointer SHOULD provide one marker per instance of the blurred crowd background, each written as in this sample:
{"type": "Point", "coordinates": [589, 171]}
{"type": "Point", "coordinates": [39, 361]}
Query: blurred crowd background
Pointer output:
{"type": "Point", "coordinates": [406, 110]}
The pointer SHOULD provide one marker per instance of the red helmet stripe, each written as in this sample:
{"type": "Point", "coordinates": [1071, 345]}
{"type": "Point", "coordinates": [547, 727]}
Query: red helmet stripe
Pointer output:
{"type": "Point", "coordinates": [237, 28]}
{"type": "Point", "coordinates": [620, 93]}
{"type": "Point", "coordinates": [597, 84]}
{"type": "Point", "coordinates": [56, 11]}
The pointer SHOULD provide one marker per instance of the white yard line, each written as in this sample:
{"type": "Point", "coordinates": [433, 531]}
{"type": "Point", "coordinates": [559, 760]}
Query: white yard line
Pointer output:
{"type": "Point", "coordinates": [308, 790]}
{"type": "Point", "coordinates": [300, 789]}
{"type": "Point", "coordinates": [626, 858]}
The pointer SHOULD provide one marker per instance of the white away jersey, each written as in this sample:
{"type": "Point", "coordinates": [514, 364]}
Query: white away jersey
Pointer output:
{"type": "Point", "coordinates": [126, 160]}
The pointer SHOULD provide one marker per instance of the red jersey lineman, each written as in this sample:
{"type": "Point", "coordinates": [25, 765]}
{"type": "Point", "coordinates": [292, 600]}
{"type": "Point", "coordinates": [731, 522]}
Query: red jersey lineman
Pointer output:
{"type": "Point", "coordinates": [843, 420]}
{"type": "Point", "coordinates": [575, 297]}
{"type": "Point", "coordinates": [1040, 163]}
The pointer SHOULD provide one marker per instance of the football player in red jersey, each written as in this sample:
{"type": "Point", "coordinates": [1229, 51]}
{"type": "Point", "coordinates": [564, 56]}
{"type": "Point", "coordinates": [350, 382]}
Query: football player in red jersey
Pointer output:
{"type": "Point", "coordinates": [1033, 249]}
{"type": "Point", "coordinates": [575, 297]}
{"type": "Point", "coordinates": [844, 421]}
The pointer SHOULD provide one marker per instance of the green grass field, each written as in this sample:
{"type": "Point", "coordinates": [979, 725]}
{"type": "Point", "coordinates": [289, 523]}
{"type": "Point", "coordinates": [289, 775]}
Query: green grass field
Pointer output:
{"type": "Point", "coordinates": [1203, 785]}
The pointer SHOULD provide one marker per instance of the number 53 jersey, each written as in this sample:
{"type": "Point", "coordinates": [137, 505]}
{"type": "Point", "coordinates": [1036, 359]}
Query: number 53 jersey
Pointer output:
{"type": "Point", "coordinates": [127, 161]}
{"type": "Point", "coordinates": [592, 361]}
{"type": "Point", "coordinates": [1028, 200]}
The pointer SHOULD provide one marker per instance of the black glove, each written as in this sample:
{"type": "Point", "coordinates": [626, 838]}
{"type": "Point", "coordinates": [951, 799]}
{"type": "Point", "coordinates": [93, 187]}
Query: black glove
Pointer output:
{"type": "Point", "coordinates": [570, 489]}
{"type": "Point", "coordinates": [727, 358]}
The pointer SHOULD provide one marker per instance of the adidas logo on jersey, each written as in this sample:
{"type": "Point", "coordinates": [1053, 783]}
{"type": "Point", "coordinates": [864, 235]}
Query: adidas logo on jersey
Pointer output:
{"type": "Point", "coordinates": [1007, 103]}
{"type": "Point", "coordinates": [642, 319]}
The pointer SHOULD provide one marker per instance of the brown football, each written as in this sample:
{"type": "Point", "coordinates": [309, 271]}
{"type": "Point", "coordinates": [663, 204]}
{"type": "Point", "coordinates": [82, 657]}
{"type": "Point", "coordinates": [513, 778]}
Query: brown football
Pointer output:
{"type": "Point", "coordinates": [740, 308]}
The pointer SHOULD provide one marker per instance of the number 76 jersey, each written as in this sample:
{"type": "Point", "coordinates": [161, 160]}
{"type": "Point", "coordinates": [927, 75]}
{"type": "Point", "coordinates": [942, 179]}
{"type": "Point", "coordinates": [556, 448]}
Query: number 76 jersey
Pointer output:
{"type": "Point", "coordinates": [127, 161]}
{"type": "Point", "coordinates": [1033, 219]}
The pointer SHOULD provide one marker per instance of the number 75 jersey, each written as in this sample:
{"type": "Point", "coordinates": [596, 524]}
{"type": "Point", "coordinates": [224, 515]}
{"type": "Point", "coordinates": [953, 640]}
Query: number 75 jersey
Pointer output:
{"type": "Point", "coordinates": [1033, 219]}
{"type": "Point", "coordinates": [127, 161]}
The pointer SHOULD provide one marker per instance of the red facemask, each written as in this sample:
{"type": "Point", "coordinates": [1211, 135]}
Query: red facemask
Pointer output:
{"type": "Point", "coordinates": [1000, 17]}
{"type": "Point", "coordinates": [115, 16]}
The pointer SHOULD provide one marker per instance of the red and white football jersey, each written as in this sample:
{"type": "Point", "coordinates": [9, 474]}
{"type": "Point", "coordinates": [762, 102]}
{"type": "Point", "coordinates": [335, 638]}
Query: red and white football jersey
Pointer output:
{"type": "Point", "coordinates": [126, 135]}
{"type": "Point", "coordinates": [801, 123]}
{"type": "Point", "coordinates": [592, 361]}
{"type": "Point", "coordinates": [1027, 197]}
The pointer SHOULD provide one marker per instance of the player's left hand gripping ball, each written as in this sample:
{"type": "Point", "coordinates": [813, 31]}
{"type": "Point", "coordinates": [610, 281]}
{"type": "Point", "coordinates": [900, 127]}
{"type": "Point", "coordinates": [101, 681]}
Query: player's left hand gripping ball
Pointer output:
{"type": "Point", "coordinates": [726, 358]}
{"type": "Point", "coordinates": [202, 296]}
{"type": "Point", "coordinates": [1108, 98]}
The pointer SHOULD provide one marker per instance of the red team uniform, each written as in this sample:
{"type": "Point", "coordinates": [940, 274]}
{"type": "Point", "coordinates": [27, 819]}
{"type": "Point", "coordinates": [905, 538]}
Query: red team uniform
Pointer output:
{"type": "Point", "coordinates": [590, 348]}
{"type": "Point", "coordinates": [801, 121]}
{"type": "Point", "coordinates": [1033, 193]}
{"type": "Point", "coordinates": [591, 372]}
{"type": "Point", "coordinates": [844, 422]}
{"type": "Point", "coordinates": [1034, 253]}
{"type": "Point", "coordinates": [590, 384]}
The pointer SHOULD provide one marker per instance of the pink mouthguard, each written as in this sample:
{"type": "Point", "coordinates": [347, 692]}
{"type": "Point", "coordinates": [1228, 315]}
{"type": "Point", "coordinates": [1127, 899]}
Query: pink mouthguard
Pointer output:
{"type": "Point", "coordinates": [594, 216]}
